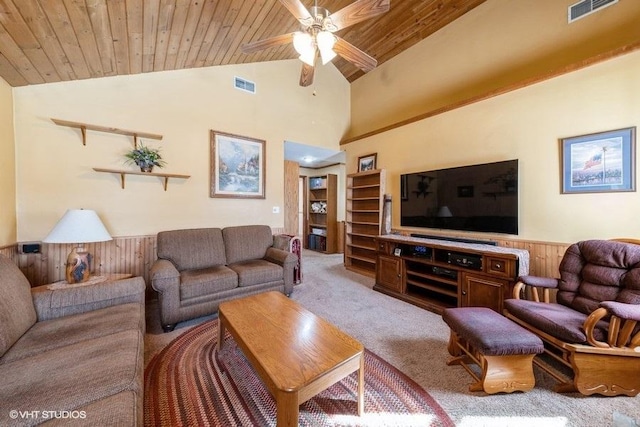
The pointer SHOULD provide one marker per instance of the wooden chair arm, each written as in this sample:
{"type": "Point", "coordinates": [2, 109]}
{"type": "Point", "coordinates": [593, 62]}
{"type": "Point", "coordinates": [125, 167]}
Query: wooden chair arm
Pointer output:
{"type": "Point", "coordinates": [520, 288]}
{"type": "Point", "coordinates": [619, 334]}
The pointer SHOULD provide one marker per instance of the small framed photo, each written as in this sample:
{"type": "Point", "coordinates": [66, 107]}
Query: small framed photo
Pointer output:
{"type": "Point", "coordinates": [600, 162]}
{"type": "Point", "coordinates": [397, 251]}
{"type": "Point", "coordinates": [367, 163]}
{"type": "Point", "coordinates": [238, 166]}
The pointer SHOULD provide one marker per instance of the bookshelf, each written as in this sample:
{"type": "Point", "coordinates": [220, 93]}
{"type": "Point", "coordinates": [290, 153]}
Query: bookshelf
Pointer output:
{"type": "Point", "coordinates": [365, 197]}
{"type": "Point", "coordinates": [321, 233]}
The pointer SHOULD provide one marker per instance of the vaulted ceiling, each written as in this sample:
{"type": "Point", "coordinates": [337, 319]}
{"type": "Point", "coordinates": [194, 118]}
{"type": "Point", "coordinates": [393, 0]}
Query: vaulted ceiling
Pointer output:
{"type": "Point", "coordinates": [43, 41]}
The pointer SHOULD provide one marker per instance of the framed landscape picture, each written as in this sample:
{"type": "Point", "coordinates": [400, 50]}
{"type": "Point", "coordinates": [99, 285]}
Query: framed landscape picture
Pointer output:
{"type": "Point", "coordinates": [367, 163]}
{"type": "Point", "coordinates": [238, 167]}
{"type": "Point", "coordinates": [599, 162]}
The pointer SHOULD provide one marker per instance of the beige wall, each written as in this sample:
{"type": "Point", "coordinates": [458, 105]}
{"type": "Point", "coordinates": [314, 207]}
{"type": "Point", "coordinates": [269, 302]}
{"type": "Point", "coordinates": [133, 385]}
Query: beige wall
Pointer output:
{"type": "Point", "coordinates": [54, 170]}
{"type": "Point", "coordinates": [526, 124]}
{"type": "Point", "coordinates": [499, 43]}
{"type": "Point", "coordinates": [7, 168]}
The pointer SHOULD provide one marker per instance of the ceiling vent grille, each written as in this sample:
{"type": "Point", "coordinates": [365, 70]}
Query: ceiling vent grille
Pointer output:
{"type": "Point", "coordinates": [244, 85]}
{"type": "Point", "coordinates": [587, 7]}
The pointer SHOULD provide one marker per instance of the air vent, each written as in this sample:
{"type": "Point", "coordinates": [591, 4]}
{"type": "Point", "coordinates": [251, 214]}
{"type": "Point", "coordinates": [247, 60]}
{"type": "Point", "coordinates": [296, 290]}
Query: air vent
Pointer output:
{"type": "Point", "coordinates": [587, 7]}
{"type": "Point", "coordinates": [244, 85]}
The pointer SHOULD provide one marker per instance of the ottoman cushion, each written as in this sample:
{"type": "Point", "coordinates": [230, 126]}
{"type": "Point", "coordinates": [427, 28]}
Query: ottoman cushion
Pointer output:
{"type": "Point", "coordinates": [490, 333]}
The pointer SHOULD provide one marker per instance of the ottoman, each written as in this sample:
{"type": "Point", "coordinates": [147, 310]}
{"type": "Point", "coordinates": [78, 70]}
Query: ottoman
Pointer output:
{"type": "Point", "coordinates": [503, 350]}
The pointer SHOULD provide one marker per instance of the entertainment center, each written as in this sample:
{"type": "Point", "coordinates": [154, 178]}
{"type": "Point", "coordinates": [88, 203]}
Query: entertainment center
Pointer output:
{"type": "Point", "coordinates": [435, 274]}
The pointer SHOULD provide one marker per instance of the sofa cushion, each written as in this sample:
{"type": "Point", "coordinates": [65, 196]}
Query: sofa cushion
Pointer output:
{"type": "Point", "coordinates": [257, 271]}
{"type": "Point", "coordinates": [206, 281]}
{"type": "Point", "coordinates": [593, 271]}
{"type": "Point", "coordinates": [246, 242]}
{"type": "Point", "coordinates": [17, 313]}
{"type": "Point", "coordinates": [192, 249]}
{"type": "Point", "coordinates": [56, 333]}
{"type": "Point", "coordinates": [73, 376]}
{"type": "Point", "coordinates": [557, 320]}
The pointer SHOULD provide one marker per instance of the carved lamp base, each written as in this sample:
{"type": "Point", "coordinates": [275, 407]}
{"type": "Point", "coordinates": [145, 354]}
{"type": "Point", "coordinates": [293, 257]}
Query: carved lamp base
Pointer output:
{"type": "Point", "coordinates": [78, 266]}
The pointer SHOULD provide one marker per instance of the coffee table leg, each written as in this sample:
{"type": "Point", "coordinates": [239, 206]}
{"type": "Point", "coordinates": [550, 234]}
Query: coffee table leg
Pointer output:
{"type": "Point", "coordinates": [221, 329]}
{"type": "Point", "coordinates": [288, 409]}
{"type": "Point", "coordinates": [361, 387]}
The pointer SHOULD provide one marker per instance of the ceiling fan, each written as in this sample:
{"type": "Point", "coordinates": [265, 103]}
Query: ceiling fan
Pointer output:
{"type": "Point", "coordinates": [316, 39]}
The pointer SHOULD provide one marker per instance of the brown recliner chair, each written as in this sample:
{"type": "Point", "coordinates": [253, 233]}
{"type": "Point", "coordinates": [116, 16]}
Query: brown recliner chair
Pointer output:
{"type": "Point", "coordinates": [592, 327]}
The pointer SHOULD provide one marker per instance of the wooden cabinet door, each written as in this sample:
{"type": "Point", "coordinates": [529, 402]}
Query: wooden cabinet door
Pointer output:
{"type": "Point", "coordinates": [477, 291]}
{"type": "Point", "coordinates": [389, 273]}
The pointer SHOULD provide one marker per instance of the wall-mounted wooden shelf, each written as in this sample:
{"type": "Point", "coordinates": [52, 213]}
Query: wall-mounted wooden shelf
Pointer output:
{"type": "Point", "coordinates": [85, 126]}
{"type": "Point", "coordinates": [122, 174]}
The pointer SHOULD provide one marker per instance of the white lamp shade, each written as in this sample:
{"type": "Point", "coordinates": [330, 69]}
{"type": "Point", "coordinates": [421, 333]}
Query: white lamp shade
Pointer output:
{"type": "Point", "coordinates": [444, 212]}
{"type": "Point", "coordinates": [78, 226]}
{"type": "Point", "coordinates": [325, 40]}
{"type": "Point", "coordinates": [309, 58]}
{"type": "Point", "coordinates": [327, 55]}
{"type": "Point", "coordinates": [302, 42]}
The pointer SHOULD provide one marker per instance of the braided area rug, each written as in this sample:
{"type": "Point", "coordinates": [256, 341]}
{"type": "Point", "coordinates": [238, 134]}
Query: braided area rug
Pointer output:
{"type": "Point", "coordinates": [189, 383]}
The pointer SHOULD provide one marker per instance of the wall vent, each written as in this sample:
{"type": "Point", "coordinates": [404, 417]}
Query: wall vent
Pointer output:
{"type": "Point", "coordinates": [244, 85]}
{"type": "Point", "coordinates": [587, 7]}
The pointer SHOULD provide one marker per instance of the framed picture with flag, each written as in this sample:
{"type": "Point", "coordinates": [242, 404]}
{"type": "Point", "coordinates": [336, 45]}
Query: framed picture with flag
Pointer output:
{"type": "Point", "coordinates": [600, 162]}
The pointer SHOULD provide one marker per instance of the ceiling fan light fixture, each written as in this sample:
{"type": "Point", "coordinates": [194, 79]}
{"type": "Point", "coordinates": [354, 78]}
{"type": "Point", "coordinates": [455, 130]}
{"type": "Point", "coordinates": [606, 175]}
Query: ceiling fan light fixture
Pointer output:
{"type": "Point", "coordinates": [325, 41]}
{"type": "Point", "coordinates": [309, 57]}
{"type": "Point", "coordinates": [327, 55]}
{"type": "Point", "coordinates": [302, 42]}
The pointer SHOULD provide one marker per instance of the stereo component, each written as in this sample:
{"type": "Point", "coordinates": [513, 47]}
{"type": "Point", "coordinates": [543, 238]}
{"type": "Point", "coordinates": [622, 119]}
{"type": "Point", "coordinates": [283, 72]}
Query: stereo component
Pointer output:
{"type": "Point", "coordinates": [470, 261]}
{"type": "Point", "coordinates": [445, 272]}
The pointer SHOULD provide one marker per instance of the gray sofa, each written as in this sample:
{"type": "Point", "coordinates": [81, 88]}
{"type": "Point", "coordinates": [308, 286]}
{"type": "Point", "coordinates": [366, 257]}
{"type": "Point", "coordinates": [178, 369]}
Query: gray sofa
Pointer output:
{"type": "Point", "coordinates": [72, 354]}
{"type": "Point", "coordinates": [197, 269]}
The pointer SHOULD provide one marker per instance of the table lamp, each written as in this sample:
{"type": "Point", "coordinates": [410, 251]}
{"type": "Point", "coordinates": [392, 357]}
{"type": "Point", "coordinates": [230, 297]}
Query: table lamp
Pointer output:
{"type": "Point", "coordinates": [444, 212]}
{"type": "Point", "coordinates": [78, 226]}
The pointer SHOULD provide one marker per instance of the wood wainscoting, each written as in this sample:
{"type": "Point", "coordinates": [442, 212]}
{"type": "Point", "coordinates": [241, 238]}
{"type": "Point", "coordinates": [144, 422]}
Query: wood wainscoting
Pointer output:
{"type": "Point", "coordinates": [133, 255]}
{"type": "Point", "coordinates": [136, 254]}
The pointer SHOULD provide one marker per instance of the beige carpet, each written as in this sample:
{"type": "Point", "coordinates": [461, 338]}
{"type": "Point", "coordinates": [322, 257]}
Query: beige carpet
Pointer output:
{"type": "Point", "coordinates": [414, 340]}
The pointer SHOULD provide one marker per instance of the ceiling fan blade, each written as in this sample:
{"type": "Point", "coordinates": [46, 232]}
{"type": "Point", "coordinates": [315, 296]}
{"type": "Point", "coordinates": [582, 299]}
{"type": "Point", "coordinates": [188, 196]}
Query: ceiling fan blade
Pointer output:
{"type": "Point", "coordinates": [352, 54]}
{"type": "Point", "coordinates": [298, 10]}
{"type": "Point", "coordinates": [306, 76]}
{"type": "Point", "coordinates": [358, 11]}
{"type": "Point", "coordinates": [267, 43]}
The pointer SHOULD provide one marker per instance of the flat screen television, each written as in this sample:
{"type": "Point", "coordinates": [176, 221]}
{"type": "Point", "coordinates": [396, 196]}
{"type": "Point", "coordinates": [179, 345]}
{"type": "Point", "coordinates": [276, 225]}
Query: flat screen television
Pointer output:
{"type": "Point", "coordinates": [479, 198]}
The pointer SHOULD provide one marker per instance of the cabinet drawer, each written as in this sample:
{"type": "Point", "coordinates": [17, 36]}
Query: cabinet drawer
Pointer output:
{"type": "Point", "coordinates": [500, 266]}
{"type": "Point", "coordinates": [386, 248]}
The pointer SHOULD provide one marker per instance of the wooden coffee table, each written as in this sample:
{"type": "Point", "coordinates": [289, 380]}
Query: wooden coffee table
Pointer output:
{"type": "Point", "coordinates": [296, 353]}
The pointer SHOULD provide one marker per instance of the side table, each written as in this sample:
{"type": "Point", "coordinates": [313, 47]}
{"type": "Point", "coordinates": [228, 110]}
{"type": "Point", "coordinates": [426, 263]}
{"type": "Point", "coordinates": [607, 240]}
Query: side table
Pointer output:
{"type": "Point", "coordinates": [63, 284]}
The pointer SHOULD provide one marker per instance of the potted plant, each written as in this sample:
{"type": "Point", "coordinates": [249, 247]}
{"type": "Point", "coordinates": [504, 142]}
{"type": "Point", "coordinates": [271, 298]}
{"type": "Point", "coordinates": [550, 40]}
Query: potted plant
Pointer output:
{"type": "Point", "coordinates": [145, 157]}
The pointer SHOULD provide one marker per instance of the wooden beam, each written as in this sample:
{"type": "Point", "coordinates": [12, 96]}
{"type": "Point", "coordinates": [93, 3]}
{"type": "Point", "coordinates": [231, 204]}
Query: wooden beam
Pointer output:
{"type": "Point", "coordinates": [602, 57]}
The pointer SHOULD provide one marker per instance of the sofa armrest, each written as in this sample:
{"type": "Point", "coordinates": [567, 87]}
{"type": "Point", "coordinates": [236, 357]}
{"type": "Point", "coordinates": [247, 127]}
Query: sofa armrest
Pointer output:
{"type": "Point", "coordinates": [622, 324]}
{"type": "Point", "coordinates": [59, 302]}
{"type": "Point", "coordinates": [280, 256]}
{"type": "Point", "coordinates": [163, 269]}
{"type": "Point", "coordinates": [288, 261]}
{"type": "Point", "coordinates": [534, 283]}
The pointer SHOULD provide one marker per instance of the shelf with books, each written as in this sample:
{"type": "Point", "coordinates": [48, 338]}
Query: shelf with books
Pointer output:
{"type": "Point", "coordinates": [322, 213]}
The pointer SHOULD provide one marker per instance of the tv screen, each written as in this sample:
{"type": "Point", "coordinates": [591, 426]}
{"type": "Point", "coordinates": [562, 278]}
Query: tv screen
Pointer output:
{"type": "Point", "coordinates": [481, 198]}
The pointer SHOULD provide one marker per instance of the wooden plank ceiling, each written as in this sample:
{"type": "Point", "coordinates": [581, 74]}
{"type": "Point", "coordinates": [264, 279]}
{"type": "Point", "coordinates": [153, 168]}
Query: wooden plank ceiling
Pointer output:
{"type": "Point", "coordinates": [43, 41]}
